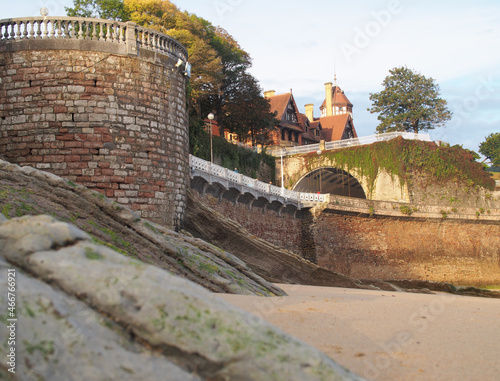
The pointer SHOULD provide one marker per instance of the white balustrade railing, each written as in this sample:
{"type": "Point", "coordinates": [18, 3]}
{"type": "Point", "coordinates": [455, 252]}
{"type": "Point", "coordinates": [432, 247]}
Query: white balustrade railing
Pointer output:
{"type": "Point", "coordinates": [286, 151]}
{"type": "Point", "coordinates": [216, 170]}
{"type": "Point", "coordinates": [81, 28]}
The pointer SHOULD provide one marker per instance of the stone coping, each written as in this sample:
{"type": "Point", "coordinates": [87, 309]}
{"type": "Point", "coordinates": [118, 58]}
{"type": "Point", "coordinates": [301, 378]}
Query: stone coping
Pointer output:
{"type": "Point", "coordinates": [80, 33]}
{"type": "Point", "coordinates": [410, 211]}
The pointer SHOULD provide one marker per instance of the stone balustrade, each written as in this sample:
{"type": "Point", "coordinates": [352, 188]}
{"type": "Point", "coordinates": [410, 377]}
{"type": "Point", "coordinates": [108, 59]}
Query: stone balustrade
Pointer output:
{"type": "Point", "coordinates": [129, 35]}
{"type": "Point", "coordinates": [346, 143]}
{"type": "Point", "coordinates": [267, 190]}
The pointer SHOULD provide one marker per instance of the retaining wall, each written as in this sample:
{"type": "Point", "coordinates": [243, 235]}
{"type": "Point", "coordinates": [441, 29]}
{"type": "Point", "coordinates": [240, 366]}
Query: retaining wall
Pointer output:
{"type": "Point", "coordinates": [108, 112]}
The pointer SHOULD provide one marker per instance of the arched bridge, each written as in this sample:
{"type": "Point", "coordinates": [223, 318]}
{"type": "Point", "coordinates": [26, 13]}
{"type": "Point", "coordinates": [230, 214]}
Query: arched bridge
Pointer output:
{"type": "Point", "coordinates": [300, 173]}
{"type": "Point", "coordinates": [222, 183]}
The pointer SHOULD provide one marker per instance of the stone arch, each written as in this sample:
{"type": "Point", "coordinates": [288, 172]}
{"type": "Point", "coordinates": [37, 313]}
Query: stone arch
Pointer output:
{"type": "Point", "coordinates": [331, 180]}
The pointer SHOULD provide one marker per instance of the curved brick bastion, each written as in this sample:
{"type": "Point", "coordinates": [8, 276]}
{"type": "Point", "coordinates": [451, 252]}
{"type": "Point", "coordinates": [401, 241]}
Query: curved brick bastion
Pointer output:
{"type": "Point", "coordinates": [101, 103]}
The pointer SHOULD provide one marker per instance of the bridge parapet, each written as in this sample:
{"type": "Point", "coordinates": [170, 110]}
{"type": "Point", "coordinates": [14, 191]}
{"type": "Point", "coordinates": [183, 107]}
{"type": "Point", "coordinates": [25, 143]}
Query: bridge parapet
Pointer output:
{"type": "Point", "coordinates": [357, 206]}
{"type": "Point", "coordinates": [231, 181]}
{"type": "Point", "coordinates": [346, 143]}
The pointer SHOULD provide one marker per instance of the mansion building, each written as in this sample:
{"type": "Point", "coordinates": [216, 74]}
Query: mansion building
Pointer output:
{"type": "Point", "coordinates": [295, 128]}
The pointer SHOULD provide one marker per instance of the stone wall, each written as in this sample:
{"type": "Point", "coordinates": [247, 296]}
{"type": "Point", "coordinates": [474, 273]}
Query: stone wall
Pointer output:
{"type": "Point", "coordinates": [385, 187]}
{"type": "Point", "coordinates": [460, 252]}
{"type": "Point", "coordinates": [113, 122]}
{"type": "Point", "coordinates": [284, 231]}
{"type": "Point", "coordinates": [462, 248]}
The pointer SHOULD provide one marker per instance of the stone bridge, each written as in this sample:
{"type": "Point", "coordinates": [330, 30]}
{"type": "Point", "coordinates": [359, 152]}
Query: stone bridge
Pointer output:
{"type": "Point", "coordinates": [222, 183]}
{"type": "Point", "coordinates": [323, 175]}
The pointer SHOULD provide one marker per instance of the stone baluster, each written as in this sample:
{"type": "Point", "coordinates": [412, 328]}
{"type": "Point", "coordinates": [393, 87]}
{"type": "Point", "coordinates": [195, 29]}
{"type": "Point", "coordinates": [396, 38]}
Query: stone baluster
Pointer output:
{"type": "Point", "coordinates": [53, 29]}
{"type": "Point", "coordinates": [45, 31]}
{"type": "Point", "coordinates": [8, 31]}
{"type": "Point", "coordinates": [108, 32]}
{"type": "Point", "coordinates": [81, 26]}
{"type": "Point", "coordinates": [101, 32]}
{"type": "Point", "coordinates": [38, 32]}
{"type": "Point", "coordinates": [66, 29]}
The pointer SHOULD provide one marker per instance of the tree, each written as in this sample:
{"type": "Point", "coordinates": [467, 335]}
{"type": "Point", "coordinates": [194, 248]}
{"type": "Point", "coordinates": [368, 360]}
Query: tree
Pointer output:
{"type": "Point", "coordinates": [409, 102]}
{"type": "Point", "coordinates": [490, 148]}
{"type": "Point", "coordinates": [104, 9]}
{"type": "Point", "coordinates": [247, 113]}
{"type": "Point", "coordinates": [220, 82]}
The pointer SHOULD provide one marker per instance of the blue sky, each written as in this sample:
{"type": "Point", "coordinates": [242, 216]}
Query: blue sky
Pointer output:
{"type": "Point", "coordinates": [297, 44]}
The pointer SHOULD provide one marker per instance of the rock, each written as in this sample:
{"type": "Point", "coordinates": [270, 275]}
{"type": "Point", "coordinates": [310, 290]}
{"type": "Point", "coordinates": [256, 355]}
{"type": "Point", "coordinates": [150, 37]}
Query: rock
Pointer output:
{"type": "Point", "coordinates": [28, 191]}
{"type": "Point", "coordinates": [61, 338]}
{"type": "Point", "coordinates": [130, 310]}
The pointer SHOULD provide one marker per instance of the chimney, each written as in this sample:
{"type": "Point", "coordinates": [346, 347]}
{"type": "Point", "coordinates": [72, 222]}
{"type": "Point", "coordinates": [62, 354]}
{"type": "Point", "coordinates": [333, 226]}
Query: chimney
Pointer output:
{"type": "Point", "coordinates": [310, 112]}
{"type": "Point", "coordinates": [329, 98]}
{"type": "Point", "coordinates": [269, 93]}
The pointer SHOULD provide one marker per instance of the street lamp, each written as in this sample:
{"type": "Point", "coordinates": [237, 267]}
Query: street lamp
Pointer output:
{"type": "Point", "coordinates": [211, 117]}
{"type": "Point", "coordinates": [319, 152]}
{"type": "Point", "coordinates": [282, 152]}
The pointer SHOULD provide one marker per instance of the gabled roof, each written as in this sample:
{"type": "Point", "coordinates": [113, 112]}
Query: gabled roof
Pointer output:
{"type": "Point", "coordinates": [334, 126]}
{"type": "Point", "coordinates": [309, 135]}
{"type": "Point", "coordinates": [279, 104]}
{"type": "Point", "coordinates": [338, 98]}
{"type": "Point", "coordinates": [316, 124]}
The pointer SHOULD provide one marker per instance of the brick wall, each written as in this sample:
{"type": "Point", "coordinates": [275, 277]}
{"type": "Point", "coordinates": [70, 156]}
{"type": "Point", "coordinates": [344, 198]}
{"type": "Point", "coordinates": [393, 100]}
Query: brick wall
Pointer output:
{"type": "Point", "coordinates": [114, 123]}
{"type": "Point", "coordinates": [283, 231]}
{"type": "Point", "coordinates": [462, 253]}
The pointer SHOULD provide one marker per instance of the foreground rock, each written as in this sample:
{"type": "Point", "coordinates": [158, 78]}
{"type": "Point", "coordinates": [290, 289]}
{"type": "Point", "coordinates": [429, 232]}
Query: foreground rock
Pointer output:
{"type": "Point", "coordinates": [28, 191]}
{"type": "Point", "coordinates": [86, 310]}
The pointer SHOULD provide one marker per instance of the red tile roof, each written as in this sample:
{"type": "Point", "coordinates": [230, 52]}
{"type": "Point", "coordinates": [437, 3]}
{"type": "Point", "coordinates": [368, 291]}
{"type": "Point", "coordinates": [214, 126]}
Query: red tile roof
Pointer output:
{"type": "Point", "coordinates": [334, 127]}
{"type": "Point", "coordinates": [279, 102]}
{"type": "Point", "coordinates": [339, 98]}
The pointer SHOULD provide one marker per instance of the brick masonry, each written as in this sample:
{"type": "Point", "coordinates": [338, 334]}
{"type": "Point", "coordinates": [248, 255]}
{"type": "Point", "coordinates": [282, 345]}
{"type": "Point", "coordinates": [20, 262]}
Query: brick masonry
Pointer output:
{"type": "Point", "coordinates": [283, 231]}
{"type": "Point", "coordinates": [111, 122]}
{"type": "Point", "coordinates": [463, 253]}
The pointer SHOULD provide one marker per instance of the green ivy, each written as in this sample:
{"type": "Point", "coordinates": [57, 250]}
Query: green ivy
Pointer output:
{"type": "Point", "coordinates": [229, 155]}
{"type": "Point", "coordinates": [401, 158]}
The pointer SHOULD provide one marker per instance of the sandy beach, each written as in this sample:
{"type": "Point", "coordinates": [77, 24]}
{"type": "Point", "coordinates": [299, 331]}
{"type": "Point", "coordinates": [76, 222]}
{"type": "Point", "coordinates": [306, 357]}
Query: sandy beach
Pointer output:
{"type": "Point", "coordinates": [389, 336]}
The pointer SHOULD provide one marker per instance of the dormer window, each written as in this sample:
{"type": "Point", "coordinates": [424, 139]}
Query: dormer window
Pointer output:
{"type": "Point", "coordinates": [290, 114]}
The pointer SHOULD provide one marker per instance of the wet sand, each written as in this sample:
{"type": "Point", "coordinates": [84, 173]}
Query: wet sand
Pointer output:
{"type": "Point", "coordinates": [384, 336]}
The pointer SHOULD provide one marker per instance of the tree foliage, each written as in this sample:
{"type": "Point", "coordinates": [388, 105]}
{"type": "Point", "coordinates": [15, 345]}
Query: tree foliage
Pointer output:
{"type": "Point", "coordinates": [104, 9]}
{"type": "Point", "coordinates": [220, 82]}
{"type": "Point", "coordinates": [490, 148]}
{"type": "Point", "coordinates": [409, 102]}
{"type": "Point", "coordinates": [247, 113]}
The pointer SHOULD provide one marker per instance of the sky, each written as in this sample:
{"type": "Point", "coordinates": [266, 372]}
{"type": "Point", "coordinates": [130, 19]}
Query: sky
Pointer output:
{"type": "Point", "coordinates": [301, 45]}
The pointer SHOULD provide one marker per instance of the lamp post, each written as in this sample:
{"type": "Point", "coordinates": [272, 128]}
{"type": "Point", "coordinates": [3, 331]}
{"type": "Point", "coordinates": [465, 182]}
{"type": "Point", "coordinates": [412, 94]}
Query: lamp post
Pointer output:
{"type": "Point", "coordinates": [283, 152]}
{"type": "Point", "coordinates": [320, 170]}
{"type": "Point", "coordinates": [211, 117]}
